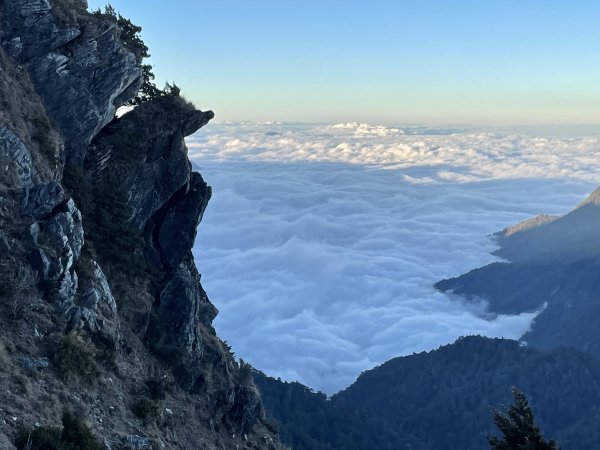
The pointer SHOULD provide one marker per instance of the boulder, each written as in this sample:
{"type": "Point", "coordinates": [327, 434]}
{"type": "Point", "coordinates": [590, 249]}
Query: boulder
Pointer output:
{"type": "Point", "coordinates": [16, 166]}
{"type": "Point", "coordinates": [93, 308]}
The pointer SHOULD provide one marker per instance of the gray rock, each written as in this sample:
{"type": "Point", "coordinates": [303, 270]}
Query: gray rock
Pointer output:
{"type": "Point", "coordinates": [14, 47]}
{"type": "Point", "coordinates": [16, 165]}
{"type": "Point", "coordinates": [34, 363]}
{"type": "Point", "coordinates": [41, 200]}
{"type": "Point", "coordinates": [135, 442]}
{"type": "Point", "coordinates": [177, 230]}
{"type": "Point", "coordinates": [81, 71]}
{"type": "Point", "coordinates": [145, 153]}
{"type": "Point", "coordinates": [5, 443]}
{"type": "Point", "coordinates": [4, 244]}
{"type": "Point", "coordinates": [57, 235]}
{"type": "Point", "coordinates": [246, 407]}
{"type": "Point", "coordinates": [93, 308]}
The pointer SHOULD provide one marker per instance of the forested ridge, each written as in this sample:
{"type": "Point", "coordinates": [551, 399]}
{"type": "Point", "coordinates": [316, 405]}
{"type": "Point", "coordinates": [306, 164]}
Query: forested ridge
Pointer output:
{"type": "Point", "coordinates": [444, 399]}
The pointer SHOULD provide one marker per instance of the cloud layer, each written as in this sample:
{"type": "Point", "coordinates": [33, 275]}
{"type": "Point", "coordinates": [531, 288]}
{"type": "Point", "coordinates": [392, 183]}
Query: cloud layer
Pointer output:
{"type": "Point", "coordinates": [321, 244]}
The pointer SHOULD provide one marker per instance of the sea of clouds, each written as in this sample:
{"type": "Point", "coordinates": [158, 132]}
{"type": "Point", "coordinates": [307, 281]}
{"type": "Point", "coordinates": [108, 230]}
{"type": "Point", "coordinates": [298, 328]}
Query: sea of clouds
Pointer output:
{"type": "Point", "coordinates": [321, 243]}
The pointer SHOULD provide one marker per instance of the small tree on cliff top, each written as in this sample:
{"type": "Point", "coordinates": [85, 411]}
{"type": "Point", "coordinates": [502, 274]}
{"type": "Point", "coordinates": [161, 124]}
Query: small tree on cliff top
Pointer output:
{"type": "Point", "coordinates": [131, 39]}
{"type": "Point", "coordinates": [519, 431]}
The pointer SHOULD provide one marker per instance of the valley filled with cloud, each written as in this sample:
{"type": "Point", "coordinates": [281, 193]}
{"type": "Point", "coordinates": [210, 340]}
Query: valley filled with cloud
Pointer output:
{"type": "Point", "coordinates": [321, 243]}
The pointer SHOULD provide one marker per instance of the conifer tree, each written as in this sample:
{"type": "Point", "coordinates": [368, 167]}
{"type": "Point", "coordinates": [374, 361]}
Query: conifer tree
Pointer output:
{"type": "Point", "coordinates": [131, 39]}
{"type": "Point", "coordinates": [519, 431]}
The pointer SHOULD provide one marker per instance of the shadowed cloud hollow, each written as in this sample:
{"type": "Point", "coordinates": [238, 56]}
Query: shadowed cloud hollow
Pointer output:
{"type": "Point", "coordinates": [321, 244]}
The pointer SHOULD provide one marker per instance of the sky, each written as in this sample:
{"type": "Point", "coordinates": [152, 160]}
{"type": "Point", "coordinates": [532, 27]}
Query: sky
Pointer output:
{"type": "Point", "coordinates": [386, 61]}
{"type": "Point", "coordinates": [321, 243]}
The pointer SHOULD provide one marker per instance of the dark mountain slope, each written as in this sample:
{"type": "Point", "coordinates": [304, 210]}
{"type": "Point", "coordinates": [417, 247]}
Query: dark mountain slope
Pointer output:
{"type": "Point", "coordinates": [553, 265]}
{"type": "Point", "coordinates": [572, 237]}
{"type": "Point", "coordinates": [443, 398]}
{"type": "Point", "coordinates": [309, 421]}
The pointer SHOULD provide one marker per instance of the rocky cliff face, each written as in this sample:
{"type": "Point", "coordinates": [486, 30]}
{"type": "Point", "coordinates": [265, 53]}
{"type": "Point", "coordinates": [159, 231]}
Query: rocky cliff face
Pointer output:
{"type": "Point", "coordinates": [101, 307]}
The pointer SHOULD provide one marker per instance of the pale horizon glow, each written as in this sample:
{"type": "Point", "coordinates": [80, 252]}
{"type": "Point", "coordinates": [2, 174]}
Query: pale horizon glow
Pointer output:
{"type": "Point", "coordinates": [432, 62]}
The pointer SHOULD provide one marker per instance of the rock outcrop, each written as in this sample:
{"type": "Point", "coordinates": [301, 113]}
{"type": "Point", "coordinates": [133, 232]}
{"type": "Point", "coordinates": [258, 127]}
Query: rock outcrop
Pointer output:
{"type": "Point", "coordinates": [77, 64]}
{"type": "Point", "coordinates": [16, 162]}
{"type": "Point", "coordinates": [101, 305]}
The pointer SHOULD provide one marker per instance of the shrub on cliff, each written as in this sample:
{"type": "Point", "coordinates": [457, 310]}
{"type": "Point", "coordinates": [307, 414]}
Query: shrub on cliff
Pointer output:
{"type": "Point", "coordinates": [106, 216]}
{"type": "Point", "coordinates": [18, 285]}
{"type": "Point", "coordinates": [70, 355]}
{"type": "Point", "coordinates": [68, 11]}
{"type": "Point", "coordinates": [75, 435]}
{"type": "Point", "coordinates": [131, 39]}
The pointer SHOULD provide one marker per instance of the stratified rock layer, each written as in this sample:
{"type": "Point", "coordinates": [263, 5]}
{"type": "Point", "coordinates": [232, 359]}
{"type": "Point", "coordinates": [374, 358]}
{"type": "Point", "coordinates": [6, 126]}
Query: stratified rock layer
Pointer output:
{"type": "Point", "coordinates": [77, 65]}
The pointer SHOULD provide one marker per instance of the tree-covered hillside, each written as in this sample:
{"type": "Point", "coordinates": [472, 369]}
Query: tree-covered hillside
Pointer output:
{"type": "Point", "coordinates": [444, 398]}
{"type": "Point", "coordinates": [309, 421]}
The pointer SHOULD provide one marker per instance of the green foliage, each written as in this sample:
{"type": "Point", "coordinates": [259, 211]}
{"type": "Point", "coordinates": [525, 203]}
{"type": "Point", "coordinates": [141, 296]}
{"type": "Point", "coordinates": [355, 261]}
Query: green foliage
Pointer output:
{"type": "Point", "coordinates": [519, 431]}
{"type": "Point", "coordinates": [117, 239]}
{"type": "Point", "coordinates": [307, 420]}
{"type": "Point", "coordinates": [130, 36]}
{"type": "Point", "coordinates": [42, 438]}
{"type": "Point", "coordinates": [106, 214]}
{"type": "Point", "coordinates": [76, 182]}
{"type": "Point", "coordinates": [110, 238]}
{"type": "Point", "coordinates": [443, 398]}
{"type": "Point", "coordinates": [70, 355]}
{"type": "Point", "coordinates": [68, 11]}
{"type": "Point", "coordinates": [148, 89]}
{"type": "Point", "coordinates": [132, 40]}
{"type": "Point", "coordinates": [75, 435]}
{"type": "Point", "coordinates": [157, 388]}
{"type": "Point", "coordinates": [244, 373]}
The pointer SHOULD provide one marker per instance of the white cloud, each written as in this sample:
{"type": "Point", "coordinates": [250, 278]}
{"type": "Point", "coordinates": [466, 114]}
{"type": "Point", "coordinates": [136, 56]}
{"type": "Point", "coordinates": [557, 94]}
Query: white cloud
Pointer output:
{"type": "Point", "coordinates": [320, 245]}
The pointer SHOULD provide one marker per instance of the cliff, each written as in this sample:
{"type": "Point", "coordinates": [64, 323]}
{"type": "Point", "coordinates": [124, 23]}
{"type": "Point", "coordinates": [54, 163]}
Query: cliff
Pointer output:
{"type": "Point", "coordinates": [101, 308]}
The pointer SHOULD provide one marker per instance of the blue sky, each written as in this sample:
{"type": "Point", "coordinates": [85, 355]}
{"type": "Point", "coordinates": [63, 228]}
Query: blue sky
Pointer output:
{"type": "Point", "coordinates": [389, 62]}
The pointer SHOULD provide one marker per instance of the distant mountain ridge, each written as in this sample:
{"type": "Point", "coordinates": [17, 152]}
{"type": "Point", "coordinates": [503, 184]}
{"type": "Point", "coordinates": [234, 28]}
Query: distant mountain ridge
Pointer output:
{"type": "Point", "coordinates": [441, 400]}
{"type": "Point", "coordinates": [552, 266]}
